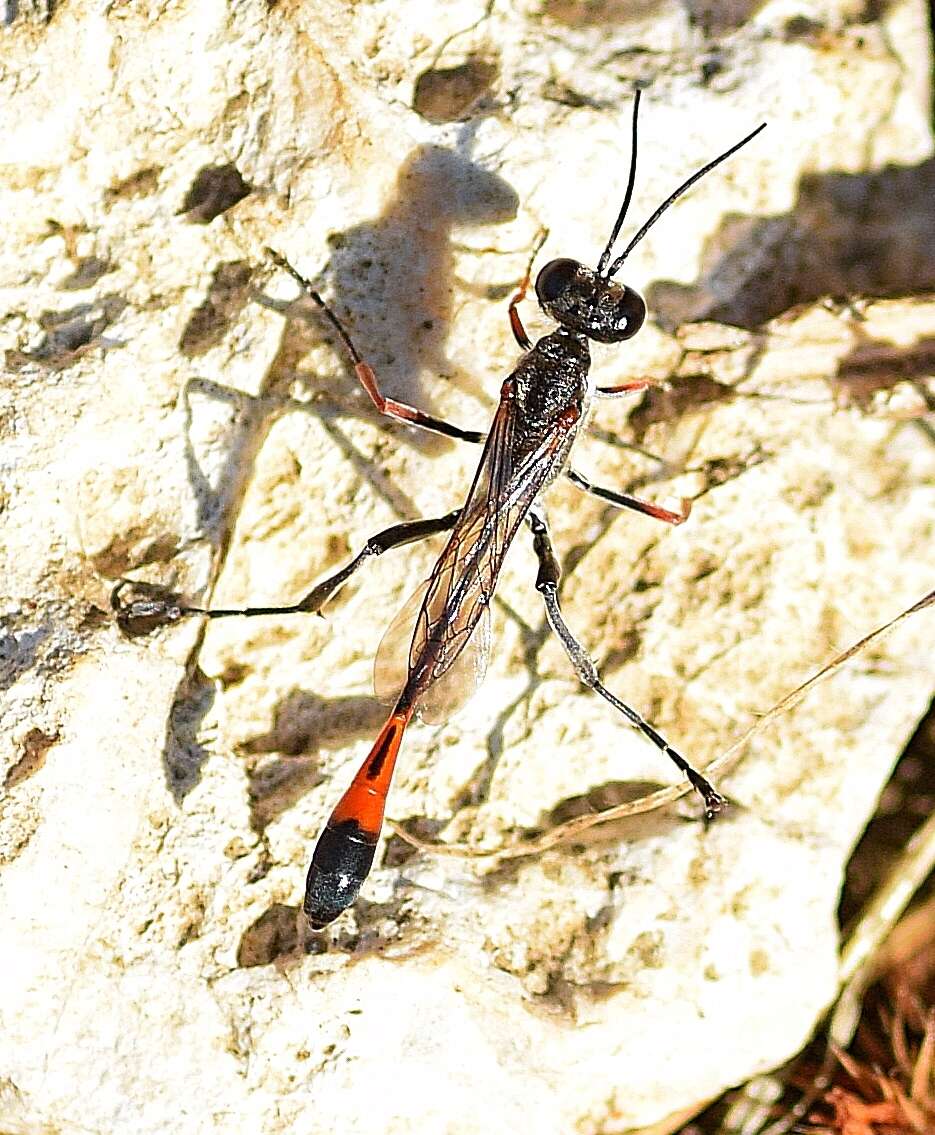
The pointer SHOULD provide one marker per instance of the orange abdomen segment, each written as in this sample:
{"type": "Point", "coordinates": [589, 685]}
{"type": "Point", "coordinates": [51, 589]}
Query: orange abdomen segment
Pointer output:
{"type": "Point", "coordinates": [345, 849]}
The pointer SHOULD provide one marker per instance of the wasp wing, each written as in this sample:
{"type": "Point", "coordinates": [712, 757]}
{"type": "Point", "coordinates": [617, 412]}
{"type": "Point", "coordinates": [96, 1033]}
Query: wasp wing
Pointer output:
{"type": "Point", "coordinates": [392, 667]}
{"type": "Point", "coordinates": [391, 664]}
{"type": "Point", "coordinates": [457, 684]}
{"type": "Point", "coordinates": [462, 582]}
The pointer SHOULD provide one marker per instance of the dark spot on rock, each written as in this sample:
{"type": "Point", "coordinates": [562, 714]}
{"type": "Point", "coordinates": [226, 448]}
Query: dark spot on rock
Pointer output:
{"type": "Point", "coordinates": [184, 755]}
{"type": "Point", "coordinates": [399, 851]}
{"type": "Point", "coordinates": [564, 95]}
{"type": "Point", "coordinates": [710, 67]}
{"type": "Point", "coordinates": [69, 334]}
{"type": "Point", "coordinates": [274, 934]}
{"type": "Point", "coordinates": [872, 367]}
{"type": "Point", "coordinates": [227, 295]}
{"type": "Point", "coordinates": [452, 94]}
{"type": "Point", "coordinates": [597, 13]}
{"type": "Point", "coordinates": [33, 11]}
{"type": "Point", "coordinates": [33, 749]}
{"type": "Point", "coordinates": [798, 28]}
{"type": "Point", "coordinates": [214, 190]}
{"type": "Point", "coordinates": [715, 17]}
{"type": "Point", "coordinates": [94, 618]}
{"type": "Point", "coordinates": [600, 798]}
{"type": "Point", "coordinates": [87, 272]}
{"type": "Point", "coordinates": [139, 184]}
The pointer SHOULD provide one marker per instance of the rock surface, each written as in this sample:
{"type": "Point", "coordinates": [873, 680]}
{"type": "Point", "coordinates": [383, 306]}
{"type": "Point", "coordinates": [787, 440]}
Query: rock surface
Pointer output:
{"type": "Point", "coordinates": [167, 412]}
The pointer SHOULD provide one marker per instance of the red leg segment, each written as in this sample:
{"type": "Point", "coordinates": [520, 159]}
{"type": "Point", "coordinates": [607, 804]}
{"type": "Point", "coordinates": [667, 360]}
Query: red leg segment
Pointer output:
{"type": "Point", "coordinates": [622, 500]}
{"type": "Point", "coordinates": [365, 372]}
{"type": "Point", "coordinates": [516, 323]}
{"type": "Point", "coordinates": [625, 388]}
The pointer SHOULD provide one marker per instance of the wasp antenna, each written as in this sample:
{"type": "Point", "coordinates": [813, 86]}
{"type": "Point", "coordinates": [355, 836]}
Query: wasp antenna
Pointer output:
{"type": "Point", "coordinates": [673, 197]}
{"type": "Point", "coordinates": [605, 255]}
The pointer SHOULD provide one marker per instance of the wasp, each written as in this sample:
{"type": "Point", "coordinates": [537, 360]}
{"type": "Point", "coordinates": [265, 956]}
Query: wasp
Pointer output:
{"type": "Point", "coordinates": [435, 653]}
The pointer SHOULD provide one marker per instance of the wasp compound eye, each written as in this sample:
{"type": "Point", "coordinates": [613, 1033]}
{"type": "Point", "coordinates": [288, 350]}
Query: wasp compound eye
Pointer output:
{"type": "Point", "coordinates": [625, 314]}
{"type": "Point", "coordinates": [555, 278]}
{"type": "Point", "coordinates": [614, 314]}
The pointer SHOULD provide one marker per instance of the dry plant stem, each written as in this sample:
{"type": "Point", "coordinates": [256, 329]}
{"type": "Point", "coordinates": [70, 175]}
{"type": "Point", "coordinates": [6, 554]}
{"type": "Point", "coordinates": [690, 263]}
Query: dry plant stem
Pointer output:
{"type": "Point", "coordinates": [664, 796]}
{"type": "Point", "coordinates": [891, 899]}
{"type": "Point", "coordinates": [751, 1106]}
{"type": "Point", "coordinates": [860, 955]}
{"type": "Point", "coordinates": [911, 935]}
{"type": "Point", "coordinates": [860, 964]}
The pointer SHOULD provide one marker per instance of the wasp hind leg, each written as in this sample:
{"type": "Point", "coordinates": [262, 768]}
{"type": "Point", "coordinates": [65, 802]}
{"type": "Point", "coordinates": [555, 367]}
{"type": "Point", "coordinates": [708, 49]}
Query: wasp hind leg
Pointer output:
{"type": "Point", "coordinates": [547, 582]}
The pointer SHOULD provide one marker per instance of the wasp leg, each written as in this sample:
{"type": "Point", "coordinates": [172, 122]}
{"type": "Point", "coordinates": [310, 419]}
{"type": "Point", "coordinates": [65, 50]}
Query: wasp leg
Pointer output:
{"type": "Point", "coordinates": [365, 372]}
{"type": "Point", "coordinates": [547, 584]}
{"type": "Point", "coordinates": [622, 500]}
{"type": "Point", "coordinates": [152, 607]}
{"type": "Point", "coordinates": [625, 388]}
{"type": "Point", "coordinates": [516, 323]}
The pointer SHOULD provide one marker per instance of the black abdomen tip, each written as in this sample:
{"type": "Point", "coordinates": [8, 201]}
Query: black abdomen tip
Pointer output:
{"type": "Point", "coordinates": [340, 863]}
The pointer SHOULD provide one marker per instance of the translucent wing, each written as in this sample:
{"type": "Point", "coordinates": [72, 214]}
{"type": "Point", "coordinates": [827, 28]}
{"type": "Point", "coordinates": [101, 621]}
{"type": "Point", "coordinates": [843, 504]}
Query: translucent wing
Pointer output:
{"type": "Point", "coordinates": [462, 582]}
{"type": "Point", "coordinates": [457, 685]}
{"type": "Point", "coordinates": [391, 668]}
{"type": "Point", "coordinates": [391, 665]}
{"type": "Point", "coordinates": [446, 696]}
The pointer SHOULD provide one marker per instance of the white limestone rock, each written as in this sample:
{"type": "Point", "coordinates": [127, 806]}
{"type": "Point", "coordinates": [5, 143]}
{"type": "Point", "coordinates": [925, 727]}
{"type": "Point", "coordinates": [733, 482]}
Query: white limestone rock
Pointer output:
{"type": "Point", "coordinates": [162, 418]}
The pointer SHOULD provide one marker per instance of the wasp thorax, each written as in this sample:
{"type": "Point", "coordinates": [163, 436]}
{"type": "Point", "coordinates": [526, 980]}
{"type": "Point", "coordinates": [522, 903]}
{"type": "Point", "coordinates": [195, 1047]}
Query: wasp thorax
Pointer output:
{"type": "Point", "coordinates": [581, 300]}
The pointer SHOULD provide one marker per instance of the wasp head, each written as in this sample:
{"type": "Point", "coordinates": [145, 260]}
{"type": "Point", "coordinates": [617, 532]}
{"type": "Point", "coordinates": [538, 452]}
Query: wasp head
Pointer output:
{"type": "Point", "coordinates": [581, 300]}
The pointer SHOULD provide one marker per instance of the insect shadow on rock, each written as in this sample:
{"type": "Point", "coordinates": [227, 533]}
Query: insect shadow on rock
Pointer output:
{"type": "Point", "coordinates": [435, 652]}
{"type": "Point", "coordinates": [397, 271]}
{"type": "Point", "coordinates": [402, 260]}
